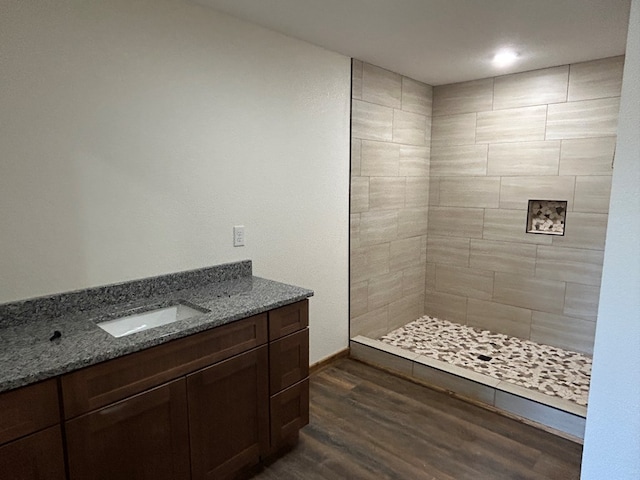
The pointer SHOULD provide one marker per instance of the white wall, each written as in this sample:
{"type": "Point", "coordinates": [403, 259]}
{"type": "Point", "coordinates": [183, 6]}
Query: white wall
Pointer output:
{"type": "Point", "coordinates": [134, 135]}
{"type": "Point", "coordinates": [612, 437]}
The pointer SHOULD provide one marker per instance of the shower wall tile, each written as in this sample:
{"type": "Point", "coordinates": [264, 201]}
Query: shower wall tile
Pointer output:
{"type": "Point", "coordinates": [592, 194]}
{"type": "Point", "coordinates": [354, 231]}
{"type": "Point", "coordinates": [359, 194]}
{"type": "Point", "coordinates": [524, 158]}
{"type": "Point", "coordinates": [479, 192]}
{"type": "Point", "coordinates": [587, 156]}
{"type": "Point", "coordinates": [405, 310]}
{"type": "Point", "coordinates": [508, 225]}
{"type": "Point", "coordinates": [358, 298]}
{"type": "Point", "coordinates": [371, 122]}
{"type": "Point", "coordinates": [417, 192]}
{"type": "Point", "coordinates": [456, 222]}
{"type": "Point", "coordinates": [416, 97]}
{"type": "Point", "coordinates": [503, 256]}
{"type": "Point", "coordinates": [380, 159]}
{"type": "Point", "coordinates": [356, 79]}
{"type": "Point", "coordinates": [386, 193]}
{"type": "Point", "coordinates": [434, 191]}
{"type": "Point", "coordinates": [446, 306]}
{"type": "Point", "coordinates": [465, 97]}
{"type": "Point", "coordinates": [588, 118]}
{"type": "Point", "coordinates": [356, 155]}
{"type": "Point", "coordinates": [581, 301]}
{"type": "Point", "coordinates": [384, 289]}
{"type": "Point", "coordinates": [596, 79]}
{"type": "Point", "coordinates": [448, 250]}
{"type": "Point", "coordinates": [583, 230]}
{"type": "Point", "coordinates": [414, 281]}
{"type": "Point", "coordinates": [406, 253]}
{"type": "Point", "coordinates": [512, 125]}
{"type": "Point", "coordinates": [369, 262]}
{"type": "Point", "coordinates": [372, 324]}
{"type": "Point", "coordinates": [453, 130]}
{"type": "Point", "coordinates": [409, 128]}
{"type": "Point", "coordinates": [529, 292]}
{"type": "Point", "coordinates": [575, 265]}
{"type": "Point", "coordinates": [381, 86]}
{"type": "Point", "coordinates": [459, 160]}
{"type": "Point", "coordinates": [497, 317]}
{"type": "Point", "coordinates": [538, 87]}
{"type": "Point", "coordinates": [412, 222]}
{"type": "Point", "coordinates": [378, 227]}
{"type": "Point", "coordinates": [562, 331]}
{"type": "Point", "coordinates": [430, 280]}
{"type": "Point", "coordinates": [468, 282]}
{"type": "Point", "coordinates": [414, 161]}
{"type": "Point", "coordinates": [515, 192]}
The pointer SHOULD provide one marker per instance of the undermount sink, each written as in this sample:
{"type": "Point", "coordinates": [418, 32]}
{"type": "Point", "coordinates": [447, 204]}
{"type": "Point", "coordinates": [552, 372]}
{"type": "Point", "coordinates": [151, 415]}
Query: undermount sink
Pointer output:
{"type": "Point", "coordinates": [120, 327]}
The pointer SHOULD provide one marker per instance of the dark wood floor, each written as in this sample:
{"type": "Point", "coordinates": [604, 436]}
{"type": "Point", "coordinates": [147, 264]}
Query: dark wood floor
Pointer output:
{"type": "Point", "coordinates": [367, 424]}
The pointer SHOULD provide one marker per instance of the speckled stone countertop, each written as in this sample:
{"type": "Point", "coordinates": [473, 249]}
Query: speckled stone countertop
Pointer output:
{"type": "Point", "coordinates": [229, 292]}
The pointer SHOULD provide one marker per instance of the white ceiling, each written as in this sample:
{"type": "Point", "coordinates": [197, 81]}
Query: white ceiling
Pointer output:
{"type": "Point", "coordinates": [447, 41]}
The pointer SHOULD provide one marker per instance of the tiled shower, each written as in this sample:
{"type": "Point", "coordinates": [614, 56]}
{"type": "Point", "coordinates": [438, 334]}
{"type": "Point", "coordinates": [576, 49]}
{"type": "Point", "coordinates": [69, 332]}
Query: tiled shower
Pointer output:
{"type": "Point", "coordinates": [442, 178]}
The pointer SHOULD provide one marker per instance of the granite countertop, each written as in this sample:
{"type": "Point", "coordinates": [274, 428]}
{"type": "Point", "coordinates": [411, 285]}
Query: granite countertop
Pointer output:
{"type": "Point", "coordinates": [229, 292]}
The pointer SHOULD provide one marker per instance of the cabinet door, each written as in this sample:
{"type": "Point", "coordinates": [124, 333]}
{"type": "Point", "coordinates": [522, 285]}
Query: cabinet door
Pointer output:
{"type": "Point", "coordinates": [289, 413]}
{"type": "Point", "coordinates": [228, 415]}
{"type": "Point", "coordinates": [35, 457]}
{"type": "Point", "coordinates": [143, 437]}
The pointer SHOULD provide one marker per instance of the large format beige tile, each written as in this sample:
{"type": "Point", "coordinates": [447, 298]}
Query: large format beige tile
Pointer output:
{"type": "Point", "coordinates": [502, 256]}
{"type": "Point", "coordinates": [354, 231]}
{"type": "Point", "coordinates": [588, 118]}
{"type": "Point", "coordinates": [497, 317]}
{"type": "Point", "coordinates": [522, 124]}
{"type": "Point", "coordinates": [524, 158]}
{"type": "Point", "coordinates": [358, 298]}
{"type": "Point", "coordinates": [378, 227]}
{"type": "Point", "coordinates": [596, 79]}
{"type": "Point", "coordinates": [583, 230]}
{"type": "Point", "coordinates": [368, 262]}
{"type": "Point", "coordinates": [380, 159]}
{"type": "Point", "coordinates": [376, 356]}
{"type": "Point", "coordinates": [537, 396]}
{"type": "Point", "coordinates": [445, 306]}
{"type": "Point", "coordinates": [356, 157]}
{"type": "Point", "coordinates": [465, 97]}
{"type": "Point", "coordinates": [381, 86]}
{"type": "Point", "coordinates": [510, 226]}
{"type": "Point", "coordinates": [538, 87]}
{"type": "Point", "coordinates": [416, 96]}
{"type": "Point", "coordinates": [371, 122]}
{"type": "Point", "coordinates": [448, 250]}
{"type": "Point", "coordinates": [412, 222]}
{"type": "Point", "coordinates": [453, 130]}
{"type": "Point", "coordinates": [359, 194]}
{"type": "Point", "coordinates": [575, 265]}
{"type": "Point", "coordinates": [430, 280]}
{"type": "Point", "coordinates": [384, 289]}
{"type": "Point", "coordinates": [417, 192]}
{"type": "Point", "coordinates": [406, 253]}
{"type": "Point", "coordinates": [581, 301]}
{"type": "Point", "coordinates": [592, 194]}
{"type": "Point", "coordinates": [386, 193]}
{"type": "Point", "coordinates": [434, 191]}
{"type": "Point", "coordinates": [456, 222]}
{"type": "Point", "coordinates": [414, 161]}
{"type": "Point", "coordinates": [356, 79]}
{"type": "Point", "coordinates": [372, 324]}
{"type": "Point", "coordinates": [467, 282]}
{"type": "Point", "coordinates": [476, 192]}
{"type": "Point", "coordinates": [409, 128]}
{"type": "Point", "coordinates": [453, 383]}
{"type": "Point", "coordinates": [405, 310]}
{"type": "Point", "coordinates": [515, 192]}
{"type": "Point", "coordinates": [414, 281]}
{"type": "Point", "coordinates": [528, 292]}
{"type": "Point", "coordinates": [459, 160]}
{"type": "Point", "coordinates": [562, 331]}
{"type": "Point", "coordinates": [587, 156]}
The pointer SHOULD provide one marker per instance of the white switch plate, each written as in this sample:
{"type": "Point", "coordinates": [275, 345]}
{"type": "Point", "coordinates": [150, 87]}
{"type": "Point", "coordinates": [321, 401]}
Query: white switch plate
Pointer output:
{"type": "Point", "coordinates": [238, 236]}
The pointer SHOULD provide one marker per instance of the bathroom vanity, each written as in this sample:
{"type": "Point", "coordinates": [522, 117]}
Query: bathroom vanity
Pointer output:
{"type": "Point", "coordinates": [206, 397]}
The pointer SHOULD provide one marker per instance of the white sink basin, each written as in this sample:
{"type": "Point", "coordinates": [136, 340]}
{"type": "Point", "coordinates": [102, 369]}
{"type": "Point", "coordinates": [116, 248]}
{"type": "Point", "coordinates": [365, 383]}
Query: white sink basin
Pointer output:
{"type": "Point", "coordinates": [120, 327]}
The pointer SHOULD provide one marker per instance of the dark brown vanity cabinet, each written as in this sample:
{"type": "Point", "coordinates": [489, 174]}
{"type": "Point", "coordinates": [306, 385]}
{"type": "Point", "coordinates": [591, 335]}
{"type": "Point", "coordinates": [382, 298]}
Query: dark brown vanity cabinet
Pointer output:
{"type": "Point", "coordinates": [30, 435]}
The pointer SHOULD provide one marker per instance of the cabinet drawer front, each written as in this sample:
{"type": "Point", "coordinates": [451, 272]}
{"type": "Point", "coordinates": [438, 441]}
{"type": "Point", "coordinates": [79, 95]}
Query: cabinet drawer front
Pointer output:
{"type": "Point", "coordinates": [289, 412]}
{"type": "Point", "coordinates": [99, 385]}
{"type": "Point", "coordinates": [288, 319]}
{"type": "Point", "coordinates": [289, 360]}
{"type": "Point", "coordinates": [38, 456]}
{"type": "Point", "coordinates": [28, 409]}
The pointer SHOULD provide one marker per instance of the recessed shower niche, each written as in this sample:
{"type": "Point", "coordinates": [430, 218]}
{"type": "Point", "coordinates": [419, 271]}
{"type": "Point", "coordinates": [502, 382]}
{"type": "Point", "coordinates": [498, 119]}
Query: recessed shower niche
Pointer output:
{"type": "Point", "coordinates": [546, 217]}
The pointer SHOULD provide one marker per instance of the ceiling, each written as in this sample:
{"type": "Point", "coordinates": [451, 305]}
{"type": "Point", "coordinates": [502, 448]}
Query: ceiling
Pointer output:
{"type": "Point", "coordinates": [447, 41]}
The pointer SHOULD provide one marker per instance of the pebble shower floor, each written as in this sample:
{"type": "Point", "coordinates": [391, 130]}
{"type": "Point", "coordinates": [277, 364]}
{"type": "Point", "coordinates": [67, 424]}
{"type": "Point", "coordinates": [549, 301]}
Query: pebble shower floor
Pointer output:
{"type": "Point", "coordinates": [550, 370]}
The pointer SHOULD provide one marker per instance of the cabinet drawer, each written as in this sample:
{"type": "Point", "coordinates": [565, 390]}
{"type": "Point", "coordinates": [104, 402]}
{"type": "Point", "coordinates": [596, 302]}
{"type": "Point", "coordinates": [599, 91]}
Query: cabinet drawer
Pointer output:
{"type": "Point", "coordinates": [289, 360]}
{"type": "Point", "coordinates": [288, 319]}
{"type": "Point", "coordinates": [36, 457]}
{"type": "Point", "coordinates": [28, 409]}
{"type": "Point", "coordinates": [289, 412]}
{"type": "Point", "coordinates": [99, 385]}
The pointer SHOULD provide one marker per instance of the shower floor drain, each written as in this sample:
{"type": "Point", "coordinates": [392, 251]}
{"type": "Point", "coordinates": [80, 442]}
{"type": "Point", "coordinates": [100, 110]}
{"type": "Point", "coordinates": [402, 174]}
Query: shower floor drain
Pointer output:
{"type": "Point", "coordinates": [485, 358]}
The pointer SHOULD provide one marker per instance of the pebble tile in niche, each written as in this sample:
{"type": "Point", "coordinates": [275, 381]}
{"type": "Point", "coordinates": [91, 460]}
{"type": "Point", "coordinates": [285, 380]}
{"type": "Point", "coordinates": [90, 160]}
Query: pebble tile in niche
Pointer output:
{"type": "Point", "coordinates": [550, 370]}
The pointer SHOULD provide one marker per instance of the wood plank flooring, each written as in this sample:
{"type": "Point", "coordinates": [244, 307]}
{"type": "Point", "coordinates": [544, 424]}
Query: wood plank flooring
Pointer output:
{"type": "Point", "coordinates": [368, 424]}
